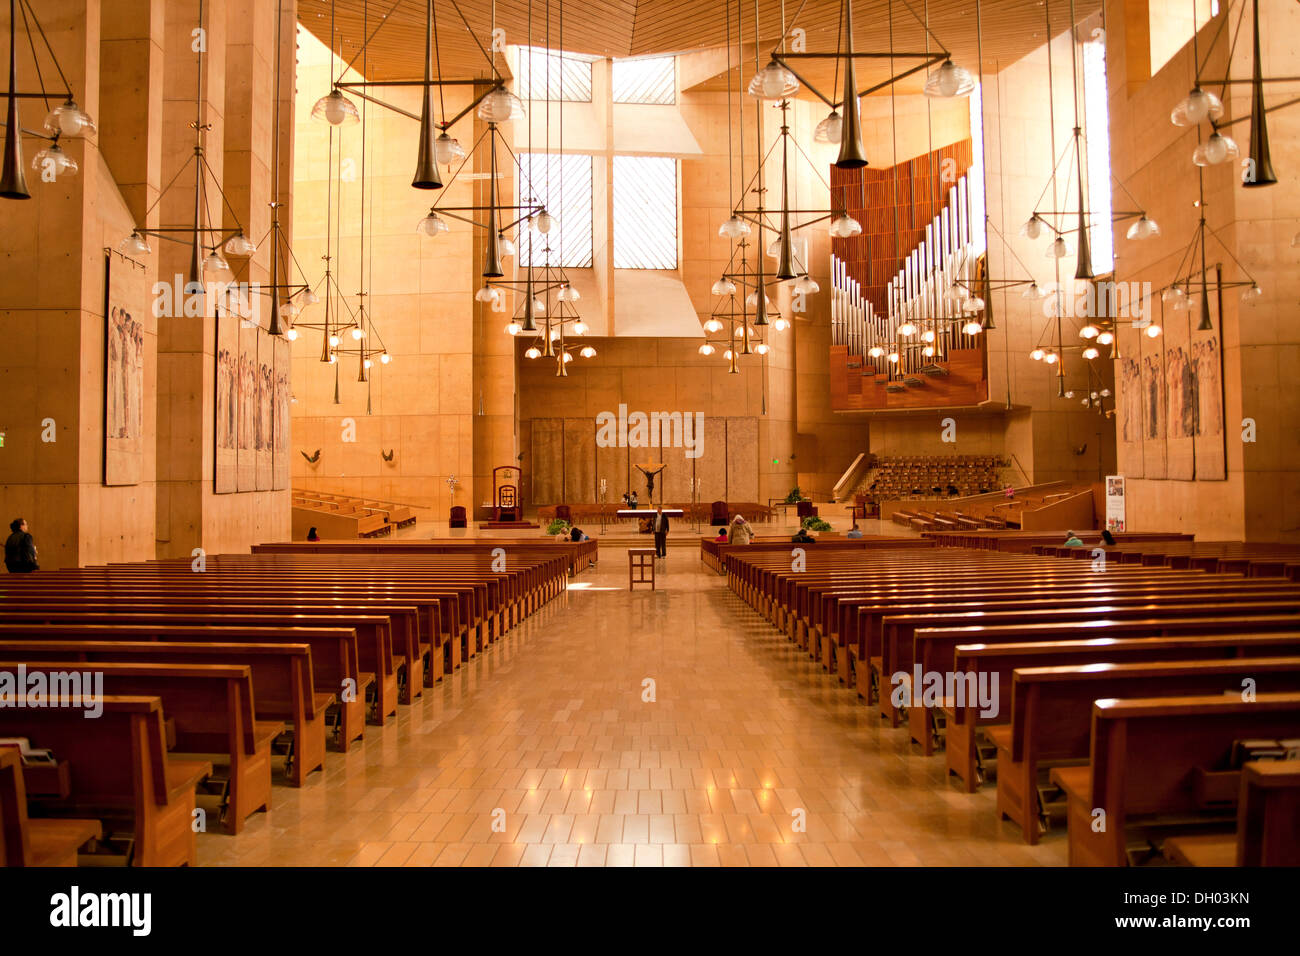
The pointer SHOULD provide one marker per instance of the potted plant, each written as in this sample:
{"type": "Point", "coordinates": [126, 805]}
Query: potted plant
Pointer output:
{"type": "Point", "coordinates": [814, 523]}
{"type": "Point", "coordinates": [794, 496]}
{"type": "Point", "coordinates": [557, 526]}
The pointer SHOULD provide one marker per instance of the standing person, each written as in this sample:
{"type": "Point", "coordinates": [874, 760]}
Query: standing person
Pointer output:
{"type": "Point", "coordinates": [741, 532]}
{"type": "Point", "coordinates": [661, 533]}
{"type": "Point", "coordinates": [20, 549]}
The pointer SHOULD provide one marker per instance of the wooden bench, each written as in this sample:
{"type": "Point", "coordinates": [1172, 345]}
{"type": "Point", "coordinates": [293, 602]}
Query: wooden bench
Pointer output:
{"type": "Point", "coordinates": [27, 841]}
{"type": "Point", "coordinates": [1051, 712]}
{"type": "Point", "coordinates": [281, 675]}
{"type": "Point", "coordinates": [1268, 822]}
{"type": "Point", "coordinates": [210, 709]}
{"type": "Point", "coordinates": [1162, 758]}
{"type": "Point", "coordinates": [122, 773]}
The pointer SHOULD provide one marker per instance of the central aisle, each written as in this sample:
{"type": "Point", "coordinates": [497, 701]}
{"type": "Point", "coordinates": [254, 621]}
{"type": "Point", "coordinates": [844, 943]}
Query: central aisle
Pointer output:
{"type": "Point", "coordinates": [547, 733]}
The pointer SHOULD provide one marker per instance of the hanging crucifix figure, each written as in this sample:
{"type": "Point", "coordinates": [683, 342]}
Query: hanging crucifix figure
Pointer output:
{"type": "Point", "coordinates": [650, 471]}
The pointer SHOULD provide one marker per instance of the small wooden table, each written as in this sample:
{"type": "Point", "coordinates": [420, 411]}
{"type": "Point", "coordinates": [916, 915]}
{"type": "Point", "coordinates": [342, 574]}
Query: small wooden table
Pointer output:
{"type": "Point", "coordinates": [638, 561]}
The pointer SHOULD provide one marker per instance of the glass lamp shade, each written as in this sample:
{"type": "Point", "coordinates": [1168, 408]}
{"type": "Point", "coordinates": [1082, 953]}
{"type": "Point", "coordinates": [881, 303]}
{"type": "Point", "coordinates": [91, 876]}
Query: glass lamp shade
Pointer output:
{"type": "Point", "coordinates": [499, 106]}
{"type": "Point", "coordinates": [587, 352]}
{"type": "Point", "coordinates": [513, 328]}
{"type": "Point", "coordinates": [1034, 291]}
{"type": "Point", "coordinates": [1153, 331]}
{"type": "Point", "coordinates": [843, 226]}
{"type": "Point", "coordinates": [334, 341]}
{"type": "Point", "coordinates": [539, 306]}
{"type": "Point", "coordinates": [1089, 331]}
{"type": "Point", "coordinates": [761, 348]}
{"type": "Point", "coordinates": [928, 335]}
{"type": "Point", "coordinates": [555, 335]}
{"type": "Point", "coordinates": [69, 119]}
{"type": "Point", "coordinates": [928, 351]}
{"type": "Point", "coordinates": [1058, 249]}
{"type": "Point", "coordinates": [1195, 107]}
{"type": "Point", "coordinates": [487, 294]}
{"type": "Point", "coordinates": [724, 286]}
{"type": "Point", "coordinates": [533, 352]}
{"type": "Point", "coordinates": [1037, 355]}
{"type": "Point", "coordinates": [1090, 353]}
{"type": "Point", "coordinates": [972, 328]}
{"type": "Point", "coordinates": [773, 82]}
{"type": "Point", "coordinates": [580, 327]}
{"type": "Point", "coordinates": [336, 109]}
{"type": "Point", "coordinates": [907, 328]}
{"type": "Point", "coordinates": [134, 245]}
{"type": "Point", "coordinates": [875, 351]}
{"type": "Point", "coordinates": [1215, 150]}
{"type": "Point", "coordinates": [1252, 295]}
{"type": "Point", "coordinates": [333, 358]}
{"type": "Point", "coordinates": [543, 222]}
{"type": "Point", "coordinates": [893, 357]}
{"type": "Point", "coordinates": [1144, 228]}
{"type": "Point", "coordinates": [1105, 338]}
{"type": "Point", "coordinates": [706, 349]}
{"type": "Point", "coordinates": [240, 246]}
{"type": "Point", "coordinates": [1070, 394]}
{"type": "Point", "coordinates": [734, 228]}
{"type": "Point", "coordinates": [830, 129]}
{"type": "Point", "coordinates": [1172, 295]}
{"type": "Point", "coordinates": [1185, 302]}
{"type": "Point", "coordinates": [385, 358]}
{"type": "Point", "coordinates": [288, 310]}
{"type": "Point", "coordinates": [956, 294]}
{"type": "Point", "coordinates": [1105, 393]}
{"type": "Point", "coordinates": [568, 293]}
{"type": "Point", "coordinates": [975, 304]}
{"type": "Point", "coordinates": [447, 150]}
{"type": "Point", "coordinates": [1051, 358]}
{"type": "Point", "coordinates": [505, 247]}
{"type": "Point", "coordinates": [291, 335]}
{"type": "Point", "coordinates": [727, 355]}
{"type": "Point", "coordinates": [781, 325]}
{"type": "Point", "coordinates": [568, 357]}
{"type": "Point", "coordinates": [55, 161]}
{"type": "Point", "coordinates": [949, 80]}
{"type": "Point", "coordinates": [215, 263]}
{"type": "Point", "coordinates": [431, 224]}
{"type": "Point", "coordinates": [1033, 228]}
{"type": "Point", "coordinates": [366, 362]}
{"type": "Point", "coordinates": [309, 297]}
{"type": "Point", "coordinates": [713, 325]}
{"type": "Point", "coordinates": [752, 300]}
{"type": "Point", "coordinates": [358, 333]}
{"type": "Point", "coordinates": [806, 285]}
{"type": "Point", "coordinates": [740, 331]}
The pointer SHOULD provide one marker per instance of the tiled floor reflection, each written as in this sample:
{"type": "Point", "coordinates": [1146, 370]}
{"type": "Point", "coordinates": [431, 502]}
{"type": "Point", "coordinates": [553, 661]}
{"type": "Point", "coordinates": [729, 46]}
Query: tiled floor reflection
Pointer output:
{"type": "Point", "coordinates": [671, 728]}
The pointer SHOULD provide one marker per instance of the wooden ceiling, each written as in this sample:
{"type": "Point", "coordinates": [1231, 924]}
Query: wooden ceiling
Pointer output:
{"type": "Point", "coordinates": [622, 28]}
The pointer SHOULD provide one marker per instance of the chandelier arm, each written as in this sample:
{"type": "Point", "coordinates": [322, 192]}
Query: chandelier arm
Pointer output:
{"type": "Point", "coordinates": [1232, 47]}
{"type": "Point", "coordinates": [31, 43]}
{"type": "Point", "coordinates": [474, 36]}
{"type": "Point", "coordinates": [930, 60]}
{"type": "Point", "coordinates": [44, 39]}
{"type": "Point", "coordinates": [781, 58]}
{"type": "Point", "coordinates": [1224, 246]}
{"type": "Point", "coordinates": [357, 90]}
{"type": "Point", "coordinates": [222, 193]}
{"type": "Point", "coordinates": [925, 26]}
{"type": "Point", "coordinates": [383, 21]}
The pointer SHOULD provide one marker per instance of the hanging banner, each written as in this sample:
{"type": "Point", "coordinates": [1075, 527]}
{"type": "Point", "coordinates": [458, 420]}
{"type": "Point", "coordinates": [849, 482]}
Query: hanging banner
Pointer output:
{"type": "Point", "coordinates": [1114, 503]}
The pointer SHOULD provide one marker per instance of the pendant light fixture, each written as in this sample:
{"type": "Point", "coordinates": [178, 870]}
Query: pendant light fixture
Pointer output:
{"type": "Point", "coordinates": [67, 119]}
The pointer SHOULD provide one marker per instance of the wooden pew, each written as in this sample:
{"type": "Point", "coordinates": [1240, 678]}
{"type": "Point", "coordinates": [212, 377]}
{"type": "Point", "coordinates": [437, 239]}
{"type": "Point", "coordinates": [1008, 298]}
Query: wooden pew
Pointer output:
{"type": "Point", "coordinates": [211, 709]}
{"type": "Point", "coordinates": [1051, 711]}
{"type": "Point", "coordinates": [1161, 758]}
{"type": "Point", "coordinates": [281, 675]}
{"type": "Point", "coordinates": [1268, 822]}
{"type": "Point", "coordinates": [27, 841]}
{"type": "Point", "coordinates": [120, 771]}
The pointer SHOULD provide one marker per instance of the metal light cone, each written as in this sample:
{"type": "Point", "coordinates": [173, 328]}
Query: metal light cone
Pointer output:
{"type": "Point", "coordinates": [13, 181]}
{"type": "Point", "coordinates": [1262, 172]}
{"type": "Point", "coordinates": [426, 165]}
{"type": "Point", "coordinates": [853, 154]}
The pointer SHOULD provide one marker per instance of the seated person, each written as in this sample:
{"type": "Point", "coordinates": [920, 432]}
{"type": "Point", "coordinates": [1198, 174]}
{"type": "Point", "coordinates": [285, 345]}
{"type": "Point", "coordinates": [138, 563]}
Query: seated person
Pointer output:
{"type": "Point", "coordinates": [577, 534]}
{"type": "Point", "coordinates": [722, 536]}
{"type": "Point", "coordinates": [312, 535]}
{"type": "Point", "coordinates": [803, 537]}
{"type": "Point", "coordinates": [854, 532]}
{"type": "Point", "coordinates": [1107, 537]}
{"type": "Point", "coordinates": [1072, 540]}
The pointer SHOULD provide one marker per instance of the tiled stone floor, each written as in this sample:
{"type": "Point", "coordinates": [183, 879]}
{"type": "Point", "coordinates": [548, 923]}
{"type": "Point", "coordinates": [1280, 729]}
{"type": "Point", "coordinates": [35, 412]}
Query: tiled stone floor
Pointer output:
{"type": "Point", "coordinates": [548, 735]}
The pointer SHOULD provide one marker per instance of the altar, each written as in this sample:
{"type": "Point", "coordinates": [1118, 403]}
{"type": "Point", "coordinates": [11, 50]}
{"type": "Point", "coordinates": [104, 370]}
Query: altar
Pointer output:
{"type": "Point", "coordinates": [625, 513]}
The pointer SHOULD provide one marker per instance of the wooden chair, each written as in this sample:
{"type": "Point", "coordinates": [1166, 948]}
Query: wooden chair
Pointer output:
{"type": "Point", "coordinates": [458, 518]}
{"type": "Point", "coordinates": [718, 515]}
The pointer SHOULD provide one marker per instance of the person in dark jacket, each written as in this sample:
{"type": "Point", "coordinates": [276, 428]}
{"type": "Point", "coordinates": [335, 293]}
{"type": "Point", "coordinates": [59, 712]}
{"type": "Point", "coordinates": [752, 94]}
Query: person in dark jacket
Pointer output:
{"type": "Point", "coordinates": [312, 535]}
{"type": "Point", "coordinates": [20, 549]}
{"type": "Point", "coordinates": [1107, 537]}
{"type": "Point", "coordinates": [661, 533]}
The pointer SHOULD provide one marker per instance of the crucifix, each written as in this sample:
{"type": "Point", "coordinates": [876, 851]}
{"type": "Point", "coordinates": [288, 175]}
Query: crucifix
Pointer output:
{"type": "Point", "coordinates": [650, 471]}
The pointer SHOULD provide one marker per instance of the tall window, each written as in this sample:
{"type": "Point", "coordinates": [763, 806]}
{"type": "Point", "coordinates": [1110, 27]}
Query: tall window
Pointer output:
{"type": "Point", "coordinates": [545, 75]}
{"type": "Point", "coordinates": [1171, 24]}
{"type": "Point", "coordinates": [975, 175]}
{"type": "Point", "coordinates": [651, 80]}
{"type": "Point", "coordinates": [563, 184]}
{"type": "Point", "coordinates": [1097, 118]}
{"type": "Point", "coordinates": [645, 212]}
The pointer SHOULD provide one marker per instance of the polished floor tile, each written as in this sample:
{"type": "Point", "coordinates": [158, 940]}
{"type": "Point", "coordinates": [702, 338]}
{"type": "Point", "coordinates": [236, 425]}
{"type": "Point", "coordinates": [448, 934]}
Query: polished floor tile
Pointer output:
{"type": "Point", "coordinates": [672, 727]}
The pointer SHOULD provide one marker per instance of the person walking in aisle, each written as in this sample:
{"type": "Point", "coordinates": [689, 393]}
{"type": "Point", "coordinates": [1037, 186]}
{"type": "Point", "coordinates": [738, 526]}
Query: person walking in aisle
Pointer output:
{"type": "Point", "coordinates": [661, 533]}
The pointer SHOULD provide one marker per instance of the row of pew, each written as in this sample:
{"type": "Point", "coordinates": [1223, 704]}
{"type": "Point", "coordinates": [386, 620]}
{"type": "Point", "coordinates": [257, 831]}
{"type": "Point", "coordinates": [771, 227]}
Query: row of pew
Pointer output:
{"type": "Point", "coordinates": [1136, 696]}
{"type": "Point", "coordinates": [1245, 557]}
{"type": "Point", "coordinates": [214, 680]}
